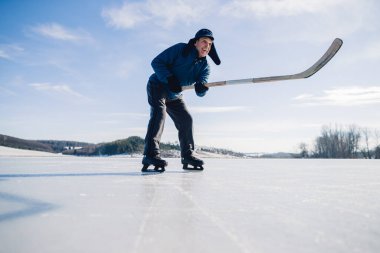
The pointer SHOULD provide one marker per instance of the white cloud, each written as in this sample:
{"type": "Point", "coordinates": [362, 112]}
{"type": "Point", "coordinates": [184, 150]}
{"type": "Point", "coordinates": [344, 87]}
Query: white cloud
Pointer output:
{"type": "Point", "coordinates": [218, 109]}
{"type": "Point", "coordinates": [275, 8]}
{"type": "Point", "coordinates": [300, 20]}
{"type": "Point", "coordinates": [369, 50]}
{"type": "Point", "coordinates": [372, 51]}
{"type": "Point", "coordinates": [126, 69]}
{"type": "Point", "coordinates": [59, 32]}
{"type": "Point", "coordinates": [170, 12]}
{"type": "Point", "coordinates": [344, 96]}
{"type": "Point", "coordinates": [247, 127]}
{"type": "Point", "coordinates": [56, 88]}
{"type": "Point", "coordinates": [128, 114]}
{"type": "Point", "coordinates": [3, 54]}
{"type": "Point", "coordinates": [5, 91]}
{"type": "Point", "coordinates": [128, 16]}
{"type": "Point", "coordinates": [165, 13]}
{"type": "Point", "coordinates": [10, 51]}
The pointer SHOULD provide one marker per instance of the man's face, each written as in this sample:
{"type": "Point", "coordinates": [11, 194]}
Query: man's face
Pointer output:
{"type": "Point", "coordinates": [203, 45]}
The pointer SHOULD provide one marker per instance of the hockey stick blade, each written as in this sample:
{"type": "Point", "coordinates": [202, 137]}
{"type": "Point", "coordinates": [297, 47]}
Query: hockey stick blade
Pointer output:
{"type": "Point", "coordinates": [331, 51]}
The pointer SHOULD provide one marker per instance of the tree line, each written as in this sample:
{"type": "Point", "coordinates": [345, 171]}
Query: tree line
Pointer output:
{"type": "Point", "coordinates": [344, 142]}
{"type": "Point", "coordinates": [130, 145]}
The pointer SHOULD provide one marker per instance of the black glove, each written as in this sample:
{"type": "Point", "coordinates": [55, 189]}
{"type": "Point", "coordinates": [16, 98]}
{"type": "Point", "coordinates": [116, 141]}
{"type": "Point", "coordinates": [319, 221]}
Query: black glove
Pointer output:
{"type": "Point", "coordinates": [174, 84]}
{"type": "Point", "coordinates": [200, 89]}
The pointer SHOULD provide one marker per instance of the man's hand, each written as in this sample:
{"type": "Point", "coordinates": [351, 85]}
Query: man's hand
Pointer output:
{"type": "Point", "coordinates": [200, 89]}
{"type": "Point", "coordinates": [174, 85]}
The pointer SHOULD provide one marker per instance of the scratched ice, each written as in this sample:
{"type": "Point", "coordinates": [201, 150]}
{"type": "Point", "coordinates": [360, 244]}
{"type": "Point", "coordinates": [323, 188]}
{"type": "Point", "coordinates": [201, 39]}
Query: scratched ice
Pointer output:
{"type": "Point", "coordinates": [70, 204]}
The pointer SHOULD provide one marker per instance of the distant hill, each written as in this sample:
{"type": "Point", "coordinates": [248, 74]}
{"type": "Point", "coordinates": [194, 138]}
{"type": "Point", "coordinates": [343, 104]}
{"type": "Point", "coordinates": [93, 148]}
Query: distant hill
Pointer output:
{"type": "Point", "coordinates": [130, 145]}
{"type": "Point", "coordinates": [51, 146]}
{"type": "Point", "coordinates": [60, 146]}
{"type": "Point", "coordinates": [13, 142]}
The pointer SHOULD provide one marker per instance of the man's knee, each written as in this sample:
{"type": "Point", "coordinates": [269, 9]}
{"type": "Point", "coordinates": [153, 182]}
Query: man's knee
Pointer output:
{"type": "Point", "coordinates": [188, 119]}
{"type": "Point", "coordinates": [157, 110]}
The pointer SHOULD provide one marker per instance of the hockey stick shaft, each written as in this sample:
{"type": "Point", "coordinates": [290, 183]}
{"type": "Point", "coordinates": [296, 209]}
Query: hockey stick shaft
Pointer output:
{"type": "Point", "coordinates": [331, 51]}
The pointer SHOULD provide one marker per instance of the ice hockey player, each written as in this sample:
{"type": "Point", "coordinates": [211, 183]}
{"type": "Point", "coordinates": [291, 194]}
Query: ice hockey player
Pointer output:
{"type": "Point", "coordinates": [179, 65]}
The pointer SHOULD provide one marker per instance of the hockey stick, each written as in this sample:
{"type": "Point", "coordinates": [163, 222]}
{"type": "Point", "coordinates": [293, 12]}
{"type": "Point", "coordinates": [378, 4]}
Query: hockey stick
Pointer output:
{"type": "Point", "coordinates": [333, 49]}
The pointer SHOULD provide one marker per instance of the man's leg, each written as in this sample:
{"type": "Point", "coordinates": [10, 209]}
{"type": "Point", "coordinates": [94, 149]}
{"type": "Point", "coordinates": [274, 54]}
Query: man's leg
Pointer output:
{"type": "Point", "coordinates": [184, 123]}
{"type": "Point", "coordinates": [156, 123]}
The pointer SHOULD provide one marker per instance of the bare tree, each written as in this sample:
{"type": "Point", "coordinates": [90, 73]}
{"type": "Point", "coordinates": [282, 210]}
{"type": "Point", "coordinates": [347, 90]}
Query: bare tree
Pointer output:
{"type": "Point", "coordinates": [353, 141]}
{"type": "Point", "coordinates": [366, 151]}
{"type": "Point", "coordinates": [377, 152]}
{"type": "Point", "coordinates": [304, 150]}
{"type": "Point", "coordinates": [337, 142]}
{"type": "Point", "coordinates": [376, 134]}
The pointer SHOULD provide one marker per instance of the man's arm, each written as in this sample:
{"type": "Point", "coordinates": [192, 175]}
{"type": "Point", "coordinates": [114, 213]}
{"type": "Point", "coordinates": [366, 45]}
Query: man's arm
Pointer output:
{"type": "Point", "coordinates": [162, 63]}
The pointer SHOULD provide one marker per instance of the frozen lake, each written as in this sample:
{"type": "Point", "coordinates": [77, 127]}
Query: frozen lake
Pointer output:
{"type": "Point", "coordinates": [70, 204]}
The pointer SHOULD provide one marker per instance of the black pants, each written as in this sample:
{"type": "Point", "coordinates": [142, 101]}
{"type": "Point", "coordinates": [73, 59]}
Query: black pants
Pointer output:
{"type": "Point", "coordinates": [159, 106]}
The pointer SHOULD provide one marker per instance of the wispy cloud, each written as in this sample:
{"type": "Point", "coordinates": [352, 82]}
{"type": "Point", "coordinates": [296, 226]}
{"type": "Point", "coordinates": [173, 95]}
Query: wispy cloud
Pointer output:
{"type": "Point", "coordinates": [10, 51]}
{"type": "Point", "coordinates": [218, 109]}
{"type": "Point", "coordinates": [5, 91]}
{"type": "Point", "coordinates": [59, 32]}
{"type": "Point", "coordinates": [128, 114]}
{"type": "Point", "coordinates": [312, 20]}
{"type": "Point", "coordinates": [165, 13]}
{"type": "Point", "coordinates": [247, 127]}
{"type": "Point", "coordinates": [126, 16]}
{"type": "Point", "coordinates": [344, 96]}
{"type": "Point", "coordinates": [56, 88]}
{"type": "Point", "coordinates": [372, 51]}
{"type": "Point", "coordinates": [3, 54]}
{"type": "Point", "coordinates": [369, 50]}
{"type": "Point", "coordinates": [275, 8]}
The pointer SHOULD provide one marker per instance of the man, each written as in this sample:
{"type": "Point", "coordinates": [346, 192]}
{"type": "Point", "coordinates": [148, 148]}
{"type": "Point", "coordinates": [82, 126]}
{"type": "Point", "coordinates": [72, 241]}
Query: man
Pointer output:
{"type": "Point", "coordinates": [179, 65]}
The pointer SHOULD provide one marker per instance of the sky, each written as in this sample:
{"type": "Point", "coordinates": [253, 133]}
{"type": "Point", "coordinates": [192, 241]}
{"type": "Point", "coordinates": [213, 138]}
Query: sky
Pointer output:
{"type": "Point", "coordinates": [77, 70]}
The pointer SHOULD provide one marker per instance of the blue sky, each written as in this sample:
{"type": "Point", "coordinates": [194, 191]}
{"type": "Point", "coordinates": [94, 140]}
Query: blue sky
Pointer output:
{"type": "Point", "coordinates": [77, 70]}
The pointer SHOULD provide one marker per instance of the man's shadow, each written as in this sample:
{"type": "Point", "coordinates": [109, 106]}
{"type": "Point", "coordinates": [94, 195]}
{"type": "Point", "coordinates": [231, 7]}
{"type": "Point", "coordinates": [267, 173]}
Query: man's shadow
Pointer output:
{"type": "Point", "coordinates": [31, 206]}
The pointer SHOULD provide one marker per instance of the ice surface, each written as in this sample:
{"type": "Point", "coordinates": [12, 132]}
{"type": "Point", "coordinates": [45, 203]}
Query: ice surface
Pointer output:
{"type": "Point", "coordinates": [71, 204]}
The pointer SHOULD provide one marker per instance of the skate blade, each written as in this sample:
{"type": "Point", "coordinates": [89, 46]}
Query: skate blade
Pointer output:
{"type": "Point", "coordinates": [156, 169]}
{"type": "Point", "coordinates": [193, 168]}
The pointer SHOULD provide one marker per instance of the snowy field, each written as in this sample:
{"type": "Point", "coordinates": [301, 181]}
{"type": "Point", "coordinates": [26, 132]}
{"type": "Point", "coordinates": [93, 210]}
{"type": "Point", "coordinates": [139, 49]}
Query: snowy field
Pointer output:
{"type": "Point", "coordinates": [70, 204]}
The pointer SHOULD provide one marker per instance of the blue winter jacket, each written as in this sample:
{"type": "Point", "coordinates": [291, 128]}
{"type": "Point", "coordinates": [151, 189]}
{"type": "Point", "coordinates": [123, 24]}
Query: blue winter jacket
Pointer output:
{"type": "Point", "coordinates": [187, 69]}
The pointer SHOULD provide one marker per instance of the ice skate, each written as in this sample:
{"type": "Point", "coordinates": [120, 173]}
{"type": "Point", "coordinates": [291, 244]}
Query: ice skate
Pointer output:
{"type": "Point", "coordinates": [195, 162]}
{"type": "Point", "coordinates": [158, 163]}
